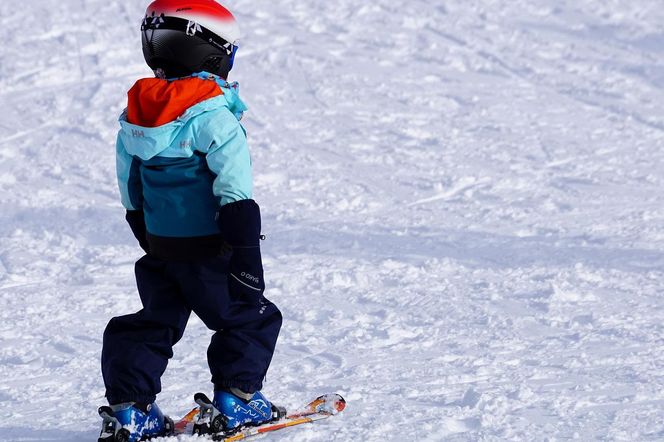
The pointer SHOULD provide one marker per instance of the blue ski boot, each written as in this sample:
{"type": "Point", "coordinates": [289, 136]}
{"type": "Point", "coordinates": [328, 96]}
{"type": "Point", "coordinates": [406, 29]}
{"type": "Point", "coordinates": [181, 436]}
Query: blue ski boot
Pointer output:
{"type": "Point", "coordinates": [232, 410]}
{"type": "Point", "coordinates": [128, 423]}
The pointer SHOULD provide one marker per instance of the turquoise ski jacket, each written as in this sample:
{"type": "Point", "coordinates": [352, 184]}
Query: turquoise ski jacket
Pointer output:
{"type": "Point", "coordinates": [181, 155]}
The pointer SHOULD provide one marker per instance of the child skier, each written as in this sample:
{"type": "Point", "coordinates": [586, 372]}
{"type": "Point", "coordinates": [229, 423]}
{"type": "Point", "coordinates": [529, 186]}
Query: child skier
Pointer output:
{"type": "Point", "coordinates": [184, 174]}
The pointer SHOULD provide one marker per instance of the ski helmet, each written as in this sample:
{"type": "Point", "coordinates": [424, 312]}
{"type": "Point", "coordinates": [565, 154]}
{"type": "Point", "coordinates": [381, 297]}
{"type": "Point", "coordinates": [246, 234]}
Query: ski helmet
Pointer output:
{"type": "Point", "coordinates": [182, 37]}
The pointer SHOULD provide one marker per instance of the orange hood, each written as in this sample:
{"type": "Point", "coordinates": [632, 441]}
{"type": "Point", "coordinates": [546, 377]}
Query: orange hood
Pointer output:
{"type": "Point", "coordinates": [154, 102]}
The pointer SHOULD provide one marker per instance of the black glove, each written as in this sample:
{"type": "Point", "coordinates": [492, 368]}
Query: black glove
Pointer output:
{"type": "Point", "coordinates": [240, 225]}
{"type": "Point", "coordinates": [136, 220]}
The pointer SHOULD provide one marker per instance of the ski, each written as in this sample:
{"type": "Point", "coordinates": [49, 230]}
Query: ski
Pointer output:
{"type": "Point", "coordinates": [321, 408]}
{"type": "Point", "coordinates": [183, 425]}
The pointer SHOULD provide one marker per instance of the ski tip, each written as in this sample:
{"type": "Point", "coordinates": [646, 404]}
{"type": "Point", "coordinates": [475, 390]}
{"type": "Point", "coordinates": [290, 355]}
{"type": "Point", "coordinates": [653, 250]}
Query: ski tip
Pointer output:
{"type": "Point", "coordinates": [340, 403]}
{"type": "Point", "coordinates": [330, 403]}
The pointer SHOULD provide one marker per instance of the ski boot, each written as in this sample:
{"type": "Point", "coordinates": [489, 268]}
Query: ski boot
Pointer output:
{"type": "Point", "coordinates": [232, 410]}
{"type": "Point", "coordinates": [127, 423]}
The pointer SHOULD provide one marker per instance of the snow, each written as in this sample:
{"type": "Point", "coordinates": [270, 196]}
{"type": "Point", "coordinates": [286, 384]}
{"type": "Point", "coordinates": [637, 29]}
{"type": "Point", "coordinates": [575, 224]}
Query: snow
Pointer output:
{"type": "Point", "coordinates": [463, 204]}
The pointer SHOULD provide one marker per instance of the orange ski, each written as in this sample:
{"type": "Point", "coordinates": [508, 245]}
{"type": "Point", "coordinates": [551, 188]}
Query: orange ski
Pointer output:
{"type": "Point", "coordinates": [321, 408]}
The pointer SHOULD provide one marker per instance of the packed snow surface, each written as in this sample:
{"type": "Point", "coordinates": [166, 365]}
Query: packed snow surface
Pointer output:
{"type": "Point", "coordinates": [464, 204]}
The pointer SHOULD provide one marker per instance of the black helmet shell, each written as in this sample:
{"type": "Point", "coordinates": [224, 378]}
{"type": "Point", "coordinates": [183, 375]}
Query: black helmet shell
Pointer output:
{"type": "Point", "coordinates": [177, 42]}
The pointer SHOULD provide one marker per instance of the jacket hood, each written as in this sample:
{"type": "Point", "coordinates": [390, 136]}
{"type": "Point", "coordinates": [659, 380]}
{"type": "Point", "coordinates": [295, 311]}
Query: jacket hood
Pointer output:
{"type": "Point", "coordinates": [158, 110]}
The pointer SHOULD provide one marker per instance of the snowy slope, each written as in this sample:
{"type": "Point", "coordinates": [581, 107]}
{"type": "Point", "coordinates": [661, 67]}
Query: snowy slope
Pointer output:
{"type": "Point", "coordinates": [463, 201]}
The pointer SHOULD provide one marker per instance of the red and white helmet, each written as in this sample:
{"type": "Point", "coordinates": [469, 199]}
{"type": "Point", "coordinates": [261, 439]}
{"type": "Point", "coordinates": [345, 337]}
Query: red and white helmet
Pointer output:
{"type": "Point", "coordinates": [181, 37]}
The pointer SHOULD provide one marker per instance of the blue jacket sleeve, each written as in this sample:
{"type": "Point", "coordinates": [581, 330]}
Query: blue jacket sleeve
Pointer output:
{"type": "Point", "coordinates": [129, 179]}
{"type": "Point", "coordinates": [228, 158]}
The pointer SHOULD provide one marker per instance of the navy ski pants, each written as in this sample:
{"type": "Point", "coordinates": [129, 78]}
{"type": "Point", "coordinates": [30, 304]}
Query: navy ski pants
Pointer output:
{"type": "Point", "coordinates": [137, 347]}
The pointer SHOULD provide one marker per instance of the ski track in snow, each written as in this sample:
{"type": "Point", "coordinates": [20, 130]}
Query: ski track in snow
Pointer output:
{"type": "Point", "coordinates": [463, 205]}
